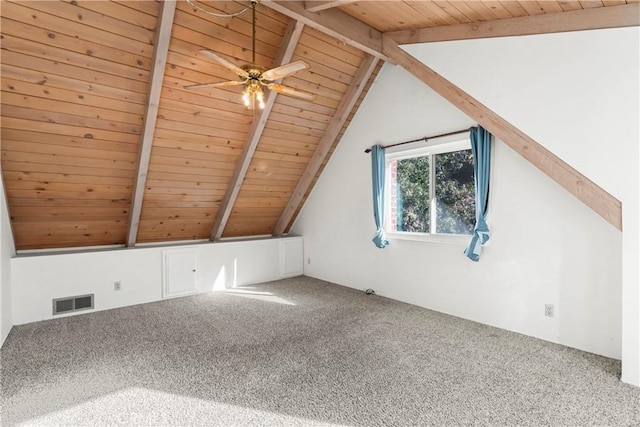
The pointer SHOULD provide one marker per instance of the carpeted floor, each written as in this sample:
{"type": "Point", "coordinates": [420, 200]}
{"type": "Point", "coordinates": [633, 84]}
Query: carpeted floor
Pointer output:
{"type": "Point", "coordinates": [299, 352]}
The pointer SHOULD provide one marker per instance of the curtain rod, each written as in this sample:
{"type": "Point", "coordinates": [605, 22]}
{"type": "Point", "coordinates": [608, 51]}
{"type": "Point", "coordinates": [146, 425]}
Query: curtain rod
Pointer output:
{"type": "Point", "coordinates": [425, 139]}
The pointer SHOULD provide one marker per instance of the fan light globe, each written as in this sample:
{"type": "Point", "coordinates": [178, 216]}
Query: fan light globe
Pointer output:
{"type": "Point", "coordinates": [253, 95]}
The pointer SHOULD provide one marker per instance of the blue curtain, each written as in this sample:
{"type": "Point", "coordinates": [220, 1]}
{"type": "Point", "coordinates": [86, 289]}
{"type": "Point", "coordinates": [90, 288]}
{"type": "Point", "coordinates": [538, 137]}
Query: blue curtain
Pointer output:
{"type": "Point", "coordinates": [481, 149]}
{"type": "Point", "coordinates": [377, 178]}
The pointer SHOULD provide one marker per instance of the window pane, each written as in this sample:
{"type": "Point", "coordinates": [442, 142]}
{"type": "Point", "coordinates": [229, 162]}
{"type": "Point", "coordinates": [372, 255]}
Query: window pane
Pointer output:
{"type": "Point", "coordinates": [455, 193]}
{"type": "Point", "coordinates": [412, 195]}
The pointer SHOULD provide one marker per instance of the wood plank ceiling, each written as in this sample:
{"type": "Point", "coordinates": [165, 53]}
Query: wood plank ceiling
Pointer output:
{"type": "Point", "coordinates": [76, 81]}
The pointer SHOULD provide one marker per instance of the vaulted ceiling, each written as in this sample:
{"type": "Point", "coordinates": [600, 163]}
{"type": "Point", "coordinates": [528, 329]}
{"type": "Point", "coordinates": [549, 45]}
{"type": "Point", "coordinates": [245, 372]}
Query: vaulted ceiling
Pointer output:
{"type": "Point", "coordinates": [103, 145]}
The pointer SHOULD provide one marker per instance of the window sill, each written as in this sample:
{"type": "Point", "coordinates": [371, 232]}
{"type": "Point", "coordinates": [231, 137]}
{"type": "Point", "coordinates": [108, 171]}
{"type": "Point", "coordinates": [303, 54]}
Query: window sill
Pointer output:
{"type": "Point", "coordinates": [453, 239]}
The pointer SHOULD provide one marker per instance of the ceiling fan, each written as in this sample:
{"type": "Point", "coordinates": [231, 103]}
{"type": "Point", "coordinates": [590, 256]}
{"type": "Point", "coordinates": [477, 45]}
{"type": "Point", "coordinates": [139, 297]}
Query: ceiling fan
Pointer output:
{"type": "Point", "coordinates": [255, 77]}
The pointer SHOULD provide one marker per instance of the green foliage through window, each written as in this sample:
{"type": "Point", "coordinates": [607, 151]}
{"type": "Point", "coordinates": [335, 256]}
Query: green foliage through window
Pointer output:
{"type": "Point", "coordinates": [453, 194]}
{"type": "Point", "coordinates": [413, 195]}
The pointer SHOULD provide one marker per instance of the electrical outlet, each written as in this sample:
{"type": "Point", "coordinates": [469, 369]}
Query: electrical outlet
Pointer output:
{"type": "Point", "coordinates": [117, 285]}
{"type": "Point", "coordinates": [548, 310]}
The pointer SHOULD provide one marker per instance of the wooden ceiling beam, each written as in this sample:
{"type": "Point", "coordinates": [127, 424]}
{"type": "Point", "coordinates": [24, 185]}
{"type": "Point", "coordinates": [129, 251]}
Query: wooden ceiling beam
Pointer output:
{"type": "Point", "coordinates": [317, 6]}
{"type": "Point", "coordinates": [335, 23]}
{"type": "Point", "coordinates": [627, 15]}
{"type": "Point", "coordinates": [603, 203]}
{"type": "Point", "coordinates": [287, 47]}
{"type": "Point", "coordinates": [160, 51]}
{"type": "Point", "coordinates": [360, 79]}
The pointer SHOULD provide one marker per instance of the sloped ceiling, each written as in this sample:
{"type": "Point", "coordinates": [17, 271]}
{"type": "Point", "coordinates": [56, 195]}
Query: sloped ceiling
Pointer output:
{"type": "Point", "coordinates": [77, 77]}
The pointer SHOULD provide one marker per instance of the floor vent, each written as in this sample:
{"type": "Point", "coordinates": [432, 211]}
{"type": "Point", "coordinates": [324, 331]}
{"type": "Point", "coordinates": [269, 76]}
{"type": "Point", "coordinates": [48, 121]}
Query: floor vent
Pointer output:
{"type": "Point", "coordinates": [69, 304]}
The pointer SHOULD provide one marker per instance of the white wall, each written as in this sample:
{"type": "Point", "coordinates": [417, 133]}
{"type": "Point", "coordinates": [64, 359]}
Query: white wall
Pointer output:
{"type": "Point", "coordinates": [576, 94]}
{"type": "Point", "coordinates": [6, 252]}
{"type": "Point", "coordinates": [39, 279]}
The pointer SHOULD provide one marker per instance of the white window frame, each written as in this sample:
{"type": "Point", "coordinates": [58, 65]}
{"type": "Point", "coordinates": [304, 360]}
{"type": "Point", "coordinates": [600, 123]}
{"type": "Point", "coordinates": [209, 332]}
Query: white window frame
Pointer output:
{"type": "Point", "coordinates": [419, 149]}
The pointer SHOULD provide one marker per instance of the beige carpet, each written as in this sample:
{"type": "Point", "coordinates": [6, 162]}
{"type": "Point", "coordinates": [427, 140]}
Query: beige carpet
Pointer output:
{"type": "Point", "coordinates": [299, 352]}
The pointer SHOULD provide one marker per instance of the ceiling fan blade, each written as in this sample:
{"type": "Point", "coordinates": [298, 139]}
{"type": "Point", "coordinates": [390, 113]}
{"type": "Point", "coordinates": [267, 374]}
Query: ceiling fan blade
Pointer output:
{"type": "Point", "coordinates": [239, 71]}
{"type": "Point", "coordinates": [284, 70]}
{"type": "Point", "coordinates": [217, 84]}
{"type": "Point", "coordinates": [289, 91]}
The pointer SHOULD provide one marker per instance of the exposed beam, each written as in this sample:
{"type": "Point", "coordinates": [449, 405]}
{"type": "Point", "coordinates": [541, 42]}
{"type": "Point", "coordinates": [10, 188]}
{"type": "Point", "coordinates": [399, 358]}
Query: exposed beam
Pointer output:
{"type": "Point", "coordinates": [317, 6]}
{"type": "Point", "coordinates": [603, 203]}
{"type": "Point", "coordinates": [627, 15]}
{"type": "Point", "coordinates": [367, 67]}
{"type": "Point", "coordinates": [335, 23]}
{"type": "Point", "coordinates": [287, 47]}
{"type": "Point", "coordinates": [160, 50]}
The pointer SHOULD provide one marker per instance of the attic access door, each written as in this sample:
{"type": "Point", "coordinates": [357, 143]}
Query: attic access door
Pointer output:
{"type": "Point", "coordinates": [179, 272]}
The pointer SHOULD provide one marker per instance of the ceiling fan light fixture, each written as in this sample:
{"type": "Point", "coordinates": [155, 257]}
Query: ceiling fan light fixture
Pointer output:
{"type": "Point", "coordinates": [255, 76]}
{"type": "Point", "coordinates": [253, 94]}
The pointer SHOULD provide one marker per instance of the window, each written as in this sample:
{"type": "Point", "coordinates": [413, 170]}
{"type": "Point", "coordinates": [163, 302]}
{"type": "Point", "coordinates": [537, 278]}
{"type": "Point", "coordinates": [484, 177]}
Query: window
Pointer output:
{"type": "Point", "coordinates": [431, 191]}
